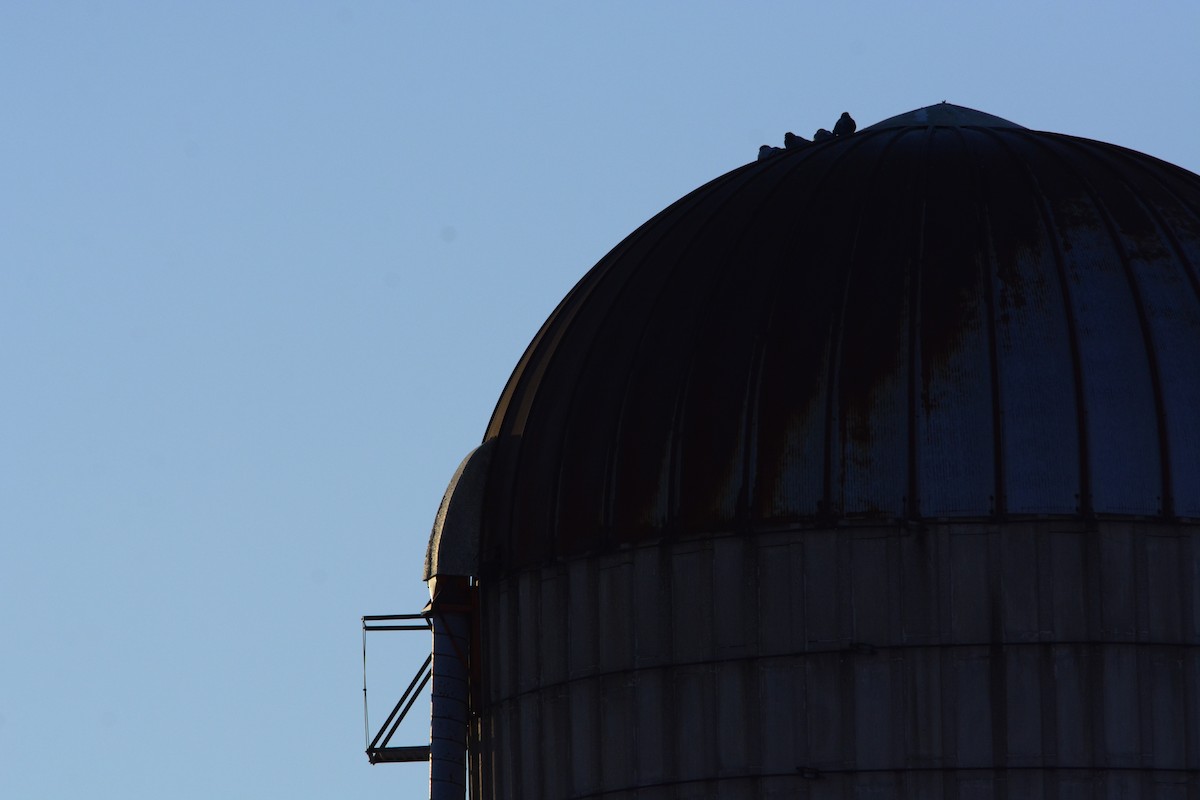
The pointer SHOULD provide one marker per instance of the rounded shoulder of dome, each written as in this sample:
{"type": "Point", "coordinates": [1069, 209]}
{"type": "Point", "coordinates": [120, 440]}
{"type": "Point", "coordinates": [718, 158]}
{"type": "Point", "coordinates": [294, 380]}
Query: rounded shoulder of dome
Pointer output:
{"type": "Point", "coordinates": [943, 315]}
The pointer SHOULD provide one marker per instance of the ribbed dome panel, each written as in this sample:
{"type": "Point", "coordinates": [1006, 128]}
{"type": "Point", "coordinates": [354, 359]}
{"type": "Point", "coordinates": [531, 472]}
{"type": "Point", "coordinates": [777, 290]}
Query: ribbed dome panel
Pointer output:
{"type": "Point", "coordinates": [915, 322]}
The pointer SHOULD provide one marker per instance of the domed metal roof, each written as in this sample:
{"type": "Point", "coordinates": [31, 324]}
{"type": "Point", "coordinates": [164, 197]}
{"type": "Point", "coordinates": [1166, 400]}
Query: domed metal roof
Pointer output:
{"type": "Point", "coordinates": [944, 114]}
{"type": "Point", "coordinates": [944, 315]}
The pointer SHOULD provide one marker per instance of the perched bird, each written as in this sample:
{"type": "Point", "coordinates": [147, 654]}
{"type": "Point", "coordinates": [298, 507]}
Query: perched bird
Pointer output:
{"type": "Point", "coordinates": [766, 151]}
{"type": "Point", "coordinates": [845, 125]}
{"type": "Point", "coordinates": [822, 135]}
{"type": "Point", "coordinates": [792, 141]}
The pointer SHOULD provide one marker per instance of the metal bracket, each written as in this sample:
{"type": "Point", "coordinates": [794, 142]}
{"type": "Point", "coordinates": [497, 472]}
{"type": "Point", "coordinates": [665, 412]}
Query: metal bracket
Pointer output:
{"type": "Point", "coordinates": [379, 750]}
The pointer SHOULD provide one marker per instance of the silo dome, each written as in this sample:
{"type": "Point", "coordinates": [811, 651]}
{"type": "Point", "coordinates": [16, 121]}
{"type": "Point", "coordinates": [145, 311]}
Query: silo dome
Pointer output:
{"type": "Point", "coordinates": [870, 468]}
{"type": "Point", "coordinates": [944, 316]}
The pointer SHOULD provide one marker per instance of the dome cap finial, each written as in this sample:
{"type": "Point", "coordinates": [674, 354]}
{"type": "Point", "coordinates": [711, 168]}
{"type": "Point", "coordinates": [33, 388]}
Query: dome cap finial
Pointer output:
{"type": "Point", "coordinates": [944, 114]}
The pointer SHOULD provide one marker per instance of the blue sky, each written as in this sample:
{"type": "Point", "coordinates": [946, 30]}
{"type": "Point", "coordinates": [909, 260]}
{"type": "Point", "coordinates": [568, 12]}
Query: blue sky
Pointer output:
{"type": "Point", "coordinates": [265, 267]}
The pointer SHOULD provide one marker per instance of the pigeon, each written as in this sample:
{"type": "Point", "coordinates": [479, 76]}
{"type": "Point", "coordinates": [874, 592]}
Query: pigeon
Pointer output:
{"type": "Point", "coordinates": [792, 141]}
{"type": "Point", "coordinates": [766, 151]}
{"type": "Point", "coordinates": [845, 125]}
{"type": "Point", "coordinates": [822, 135]}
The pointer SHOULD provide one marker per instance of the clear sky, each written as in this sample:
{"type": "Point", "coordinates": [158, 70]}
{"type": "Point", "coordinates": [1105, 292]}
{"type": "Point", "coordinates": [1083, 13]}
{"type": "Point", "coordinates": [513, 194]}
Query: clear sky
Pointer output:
{"type": "Point", "coordinates": [265, 267]}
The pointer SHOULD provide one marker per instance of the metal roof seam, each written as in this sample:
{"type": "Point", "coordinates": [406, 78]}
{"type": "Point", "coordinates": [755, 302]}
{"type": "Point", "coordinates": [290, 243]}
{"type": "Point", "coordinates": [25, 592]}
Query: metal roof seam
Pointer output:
{"type": "Point", "coordinates": [1137, 293]}
{"type": "Point", "coordinates": [588, 288]}
{"type": "Point", "coordinates": [1191, 268]}
{"type": "Point", "coordinates": [837, 336]}
{"type": "Point", "coordinates": [801, 158]}
{"type": "Point", "coordinates": [776, 299]}
{"type": "Point", "coordinates": [1049, 227]}
{"type": "Point", "coordinates": [846, 147]}
{"type": "Point", "coordinates": [752, 404]}
{"type": "Point", "coordinates": [987, 256]}
{"type": "Point", "coordinates": [915, 268]}
{"type": "Point", "coordinates": [1151, 170]}
{"type": "Point", "coordinates": [613, 455]}
{"type": "Point", "coordinates": [559, 320]}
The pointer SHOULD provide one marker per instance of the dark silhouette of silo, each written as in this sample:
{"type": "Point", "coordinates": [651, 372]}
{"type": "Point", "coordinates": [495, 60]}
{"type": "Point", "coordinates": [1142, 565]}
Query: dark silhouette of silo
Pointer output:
{"type": "Point", "coordinates": [871, 469]}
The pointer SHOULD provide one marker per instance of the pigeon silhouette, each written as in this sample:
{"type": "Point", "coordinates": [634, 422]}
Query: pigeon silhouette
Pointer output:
{"type": "Point", "coordinates": [792, 141]}
{"type": "Point", "coordinates": [845, 125]}
{"type": "Point", "coordinates": [822, 135]}
{"type": "Point", "coordinates": [766, 151]}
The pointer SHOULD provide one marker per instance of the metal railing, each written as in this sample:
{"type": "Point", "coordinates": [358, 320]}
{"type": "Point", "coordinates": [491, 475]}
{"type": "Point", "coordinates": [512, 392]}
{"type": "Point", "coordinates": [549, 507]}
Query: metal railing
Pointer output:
{"type": "Point", "coordinates": [379, 749]}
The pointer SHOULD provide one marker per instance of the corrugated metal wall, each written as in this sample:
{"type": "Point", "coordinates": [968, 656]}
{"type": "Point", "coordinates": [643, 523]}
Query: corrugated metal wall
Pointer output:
{"type": "Point", "coordinates": [1032, 660]}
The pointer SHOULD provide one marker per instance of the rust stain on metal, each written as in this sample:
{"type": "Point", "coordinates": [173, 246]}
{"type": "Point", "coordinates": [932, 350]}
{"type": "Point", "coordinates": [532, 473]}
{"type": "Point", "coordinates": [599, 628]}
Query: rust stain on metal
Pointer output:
{"type": "Point", "coordinates": [885, 322]}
